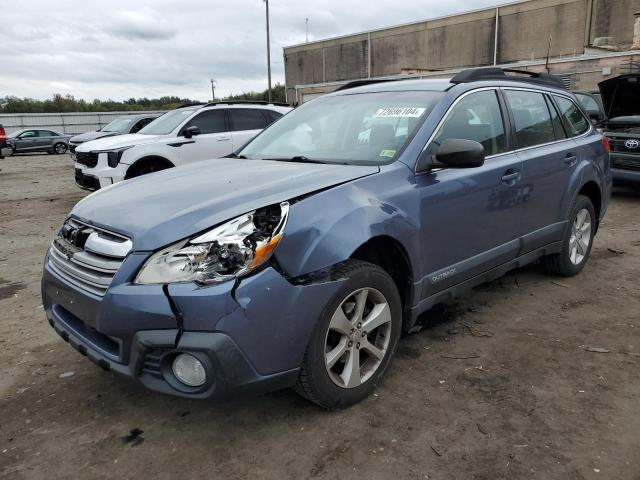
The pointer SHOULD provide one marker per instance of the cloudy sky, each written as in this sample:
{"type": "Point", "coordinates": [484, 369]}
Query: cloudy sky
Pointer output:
{"type": "Point", "coordinates": [120, 49]}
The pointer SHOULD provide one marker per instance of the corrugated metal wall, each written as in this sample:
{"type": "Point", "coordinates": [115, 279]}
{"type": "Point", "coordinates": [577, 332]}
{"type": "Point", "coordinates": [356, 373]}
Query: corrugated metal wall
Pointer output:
{"type": "Point", "coordinates": [71, 123]}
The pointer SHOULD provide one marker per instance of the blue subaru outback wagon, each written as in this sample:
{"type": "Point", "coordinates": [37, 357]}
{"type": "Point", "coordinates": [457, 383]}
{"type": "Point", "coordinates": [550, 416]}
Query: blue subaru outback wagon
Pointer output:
{"type": "Point", "coordinates": [301, 259]}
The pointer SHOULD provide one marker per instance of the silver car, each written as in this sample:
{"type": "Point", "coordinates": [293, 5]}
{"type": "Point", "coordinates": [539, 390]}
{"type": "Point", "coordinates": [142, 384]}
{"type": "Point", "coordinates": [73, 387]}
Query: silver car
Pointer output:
{"type": "Point", "coordinates": [32, 140]}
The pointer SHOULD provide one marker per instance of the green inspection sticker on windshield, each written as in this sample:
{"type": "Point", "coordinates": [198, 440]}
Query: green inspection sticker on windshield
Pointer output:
{"type": "Point", "coordinates": [387, 153]}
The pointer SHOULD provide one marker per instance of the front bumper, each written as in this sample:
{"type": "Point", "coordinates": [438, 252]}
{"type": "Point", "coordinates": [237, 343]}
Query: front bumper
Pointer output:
{"type": "Point", "coordinates": [86, 182]}
{"type": "Point", "coordinates": [625, 168]}
{"type": "Point", "coordinates": [251, 338]}
{"type": "Point", "coordinates": [99, 176]}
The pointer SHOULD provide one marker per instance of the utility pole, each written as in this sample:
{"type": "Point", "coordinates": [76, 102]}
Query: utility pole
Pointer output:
{"type": "Point", "coordinates": [306, 21]}
{"type": "Point", "coordinates": [268, 52]}
{"type": "Point", "coordinates": [213, 91]}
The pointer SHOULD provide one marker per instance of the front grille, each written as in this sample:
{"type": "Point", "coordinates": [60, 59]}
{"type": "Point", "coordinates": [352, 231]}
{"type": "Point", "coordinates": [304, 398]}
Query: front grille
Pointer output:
{"type": "Point", "coordinates": [87, 257]}
{"type": "Point", "coordinates": [618, 144]}
{"type": "Point", "coordinates": [89, 159]}
{"type": "Point", "coordinates": [626, 163]}
{"type": "Point", "coordinates": [72, 147]}
{"type": "Point", "coordinates": [86, 181]}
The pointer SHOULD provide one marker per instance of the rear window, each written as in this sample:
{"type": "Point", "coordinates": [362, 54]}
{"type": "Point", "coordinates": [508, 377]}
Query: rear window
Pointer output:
{"type": "Point", "coordinates": [574, 120]}
{"type": "Point", "coordinates": [532, 118]}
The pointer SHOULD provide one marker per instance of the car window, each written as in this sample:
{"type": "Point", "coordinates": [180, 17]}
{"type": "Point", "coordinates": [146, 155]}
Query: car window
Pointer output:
{"type": "Point", "coordinates": [475, 117]}
{"type": "Point", "coordinates": [558, 127]}
{"type": "Point", "coordinates": [532, 118]}
{"type": "Point", "coordinates": [271, 116]}
{"type": "Point", "coordinates": [575, 121]}
{"type": "Point", "coordinates": [139, 125]}
{"type": "Point", "coordinates": [246, 119]}
{"type": "Point", "coordinates": [588, 102]}
{"type": "Point", "coordinates": [359, 129]}
{"type": "Point", "coordinates": [211, 121]}
{"type": "Point", "coordinates": [167, 123]}
{"type": "Point", "coordinates": [28, 134]}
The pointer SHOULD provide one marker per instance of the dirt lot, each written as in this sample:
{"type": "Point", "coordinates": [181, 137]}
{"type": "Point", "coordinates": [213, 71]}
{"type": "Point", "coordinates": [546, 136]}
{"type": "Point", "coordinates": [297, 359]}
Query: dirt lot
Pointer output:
{"type": "Point", "coordinates": [501, 384]}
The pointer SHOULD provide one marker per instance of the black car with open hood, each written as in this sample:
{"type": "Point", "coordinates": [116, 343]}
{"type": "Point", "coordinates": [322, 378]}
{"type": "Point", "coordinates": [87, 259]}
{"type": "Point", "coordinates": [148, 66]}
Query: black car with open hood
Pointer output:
{"type": "Point", "coordinates": [621, 101]}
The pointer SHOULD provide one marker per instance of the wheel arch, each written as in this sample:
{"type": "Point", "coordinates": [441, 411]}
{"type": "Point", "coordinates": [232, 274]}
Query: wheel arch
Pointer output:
{"type": "Point", "coordinates": [147, 160]}
{"type": "Point", "coordinates": [390, 254]}
{"type": "Point", "coordinates": [592, 191]}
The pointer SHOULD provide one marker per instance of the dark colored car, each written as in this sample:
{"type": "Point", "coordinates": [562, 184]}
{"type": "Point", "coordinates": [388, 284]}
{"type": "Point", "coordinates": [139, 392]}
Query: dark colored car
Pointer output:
{"type": "Point", "coordinates": [5, 150]}
{"type": "Point", "coordinates": [38, 140]}
{"type": "Point", "coordinates": [119, 126]}
{"type": "Point", "coordinates": [300, 259]}
{"type": "Point", "coordinates": [621, 102]}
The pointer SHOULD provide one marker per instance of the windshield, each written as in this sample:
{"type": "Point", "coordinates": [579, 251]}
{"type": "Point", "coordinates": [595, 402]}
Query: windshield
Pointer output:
{"type": "Point", "coordinates": [167, 123]}
{"type": "Point", "coordinates": [358, 129]}
{"type": "Point", "coordinates": [119, 125]}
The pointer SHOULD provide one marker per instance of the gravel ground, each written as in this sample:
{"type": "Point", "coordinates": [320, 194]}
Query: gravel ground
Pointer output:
{"type": "Point", "coordinates": [503, 383]}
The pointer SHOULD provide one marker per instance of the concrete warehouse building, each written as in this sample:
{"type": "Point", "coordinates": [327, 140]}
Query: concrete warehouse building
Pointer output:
{"type": "Point", "coordinates": [585, 40]}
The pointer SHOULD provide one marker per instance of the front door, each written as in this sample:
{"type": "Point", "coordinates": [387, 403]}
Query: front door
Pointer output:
{"type": "Point", "coordinates": [214, 140]}
{"type": "Point", "coordinates": [26, 141]}
{"type": "Point", "coordinates": [470, 218]}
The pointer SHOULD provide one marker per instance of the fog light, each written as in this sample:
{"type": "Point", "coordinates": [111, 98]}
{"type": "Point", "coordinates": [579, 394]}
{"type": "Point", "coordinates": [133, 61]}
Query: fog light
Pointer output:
{"type": "Point", "coordinates": [189, 370]}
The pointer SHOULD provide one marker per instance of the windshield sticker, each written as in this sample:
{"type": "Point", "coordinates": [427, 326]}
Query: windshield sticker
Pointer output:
{"type": "Point", "coordinates": [399, 112]}
{"type": "Point", "coordinates": [387, 153]}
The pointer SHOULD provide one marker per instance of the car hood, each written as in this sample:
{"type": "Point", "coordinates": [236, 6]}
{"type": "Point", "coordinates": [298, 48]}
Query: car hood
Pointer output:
{"type": "Point", "coordinates": [621, 96]}
{"type": "Point", "coordinates": [161, 208]}
{"type": "Point", "coordinates": [118, 141]}
{"type": "Point", "coordinates": [88, 136]}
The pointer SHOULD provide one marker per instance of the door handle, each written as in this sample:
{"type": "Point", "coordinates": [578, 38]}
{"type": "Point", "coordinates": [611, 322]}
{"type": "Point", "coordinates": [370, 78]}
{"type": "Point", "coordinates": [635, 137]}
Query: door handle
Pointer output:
{"type": "Point", "coordinates": [510, 176]}
{"type": "Point", "coordinates": [223, 139]}
{"type": "Point", "coordinates": [571, 159]}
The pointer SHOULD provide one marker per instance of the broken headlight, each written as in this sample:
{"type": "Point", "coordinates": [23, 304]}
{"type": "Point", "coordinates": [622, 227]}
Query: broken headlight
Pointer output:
{"type": "Point", "coordinates": [228, 251]}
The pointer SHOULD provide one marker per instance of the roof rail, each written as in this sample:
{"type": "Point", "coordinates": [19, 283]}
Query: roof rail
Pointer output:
{"type": "Point", "coordinates": [369, 81]}
{"type": "Point", "coordinates": [247, 102]}
{"type": "Point", "coordinates": [184, 105]}
{"type": "Point", "coordinates": [495, 73]}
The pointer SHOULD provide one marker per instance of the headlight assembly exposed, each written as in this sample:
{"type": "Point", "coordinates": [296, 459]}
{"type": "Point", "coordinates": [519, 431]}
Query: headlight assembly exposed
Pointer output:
{"type": "Point", "coordinates": [227, 251]}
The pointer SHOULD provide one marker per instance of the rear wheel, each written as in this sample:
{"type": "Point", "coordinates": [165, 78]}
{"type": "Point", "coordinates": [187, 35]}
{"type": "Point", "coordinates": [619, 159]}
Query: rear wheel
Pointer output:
{"type": "Point", "coordinates": [59, 148]}
{"type": "Point", "coordinates": [577, 241]}
{"type": "Point", "coordinates": [355, 339]}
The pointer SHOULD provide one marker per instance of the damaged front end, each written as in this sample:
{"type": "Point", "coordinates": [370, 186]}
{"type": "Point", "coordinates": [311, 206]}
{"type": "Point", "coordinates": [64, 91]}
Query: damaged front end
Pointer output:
{"type": "Point", "coordinates": [218, 302]}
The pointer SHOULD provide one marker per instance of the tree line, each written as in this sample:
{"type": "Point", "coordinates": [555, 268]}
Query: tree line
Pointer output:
{"type": "Point", "coordinates": [68, 103]}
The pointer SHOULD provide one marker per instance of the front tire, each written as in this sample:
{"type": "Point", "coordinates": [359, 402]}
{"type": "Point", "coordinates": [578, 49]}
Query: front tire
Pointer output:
{"type": "Point", "coordinates": [577, 240]}
{"type": "Point", "coordinates": [354, 340]}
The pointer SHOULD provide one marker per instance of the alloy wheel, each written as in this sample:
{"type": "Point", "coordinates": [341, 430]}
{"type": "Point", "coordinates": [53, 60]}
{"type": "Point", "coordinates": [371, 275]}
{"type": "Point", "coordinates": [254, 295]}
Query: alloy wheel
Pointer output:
{"type": "Point", "coordinates": [60, 148]}
{"type": "Point", "coordinates": [580, 237]}
{"type": "Point", "coordinates": [358, 338]}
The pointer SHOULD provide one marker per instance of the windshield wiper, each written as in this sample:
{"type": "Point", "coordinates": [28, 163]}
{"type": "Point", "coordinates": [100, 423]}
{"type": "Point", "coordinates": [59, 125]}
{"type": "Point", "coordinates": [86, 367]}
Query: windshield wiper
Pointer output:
{"type": "Point", "coordinates": [295, 158]}
{"type": "Point", "coordinates": [235, 155]}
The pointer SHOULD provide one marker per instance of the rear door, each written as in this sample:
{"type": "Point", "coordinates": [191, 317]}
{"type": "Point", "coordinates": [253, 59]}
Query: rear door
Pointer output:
{"type": "Point", "coordinates": [214, 140]}
{"type": "Point", "coordinates": [470, 218]}
{"type": "Point", "coordinates": [45, 139]}
{"type": "Point", "coordinates": [245, 124]}
{"type": "Point", "coordinates": [548, 159]}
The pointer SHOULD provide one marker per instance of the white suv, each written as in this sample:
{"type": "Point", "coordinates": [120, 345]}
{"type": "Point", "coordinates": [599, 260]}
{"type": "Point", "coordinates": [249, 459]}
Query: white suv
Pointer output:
{"type": "Point", "coordinates": [184, 135]}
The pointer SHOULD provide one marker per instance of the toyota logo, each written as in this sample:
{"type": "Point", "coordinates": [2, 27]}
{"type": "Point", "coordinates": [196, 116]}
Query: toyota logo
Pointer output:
{"type": "Point", "coordinates": [632, 144]}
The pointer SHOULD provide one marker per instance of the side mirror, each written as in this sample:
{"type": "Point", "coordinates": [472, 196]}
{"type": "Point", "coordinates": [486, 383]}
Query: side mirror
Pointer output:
{"type": "Point", "coordinates": [191, 131]}
{"type": "Point", "coordinates": [455, 153]}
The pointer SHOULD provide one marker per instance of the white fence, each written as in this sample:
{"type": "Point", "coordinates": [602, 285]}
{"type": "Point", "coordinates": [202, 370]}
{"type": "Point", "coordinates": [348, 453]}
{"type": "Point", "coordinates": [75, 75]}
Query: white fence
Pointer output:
{"type": "Point", "coordinates": [71, 123]}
